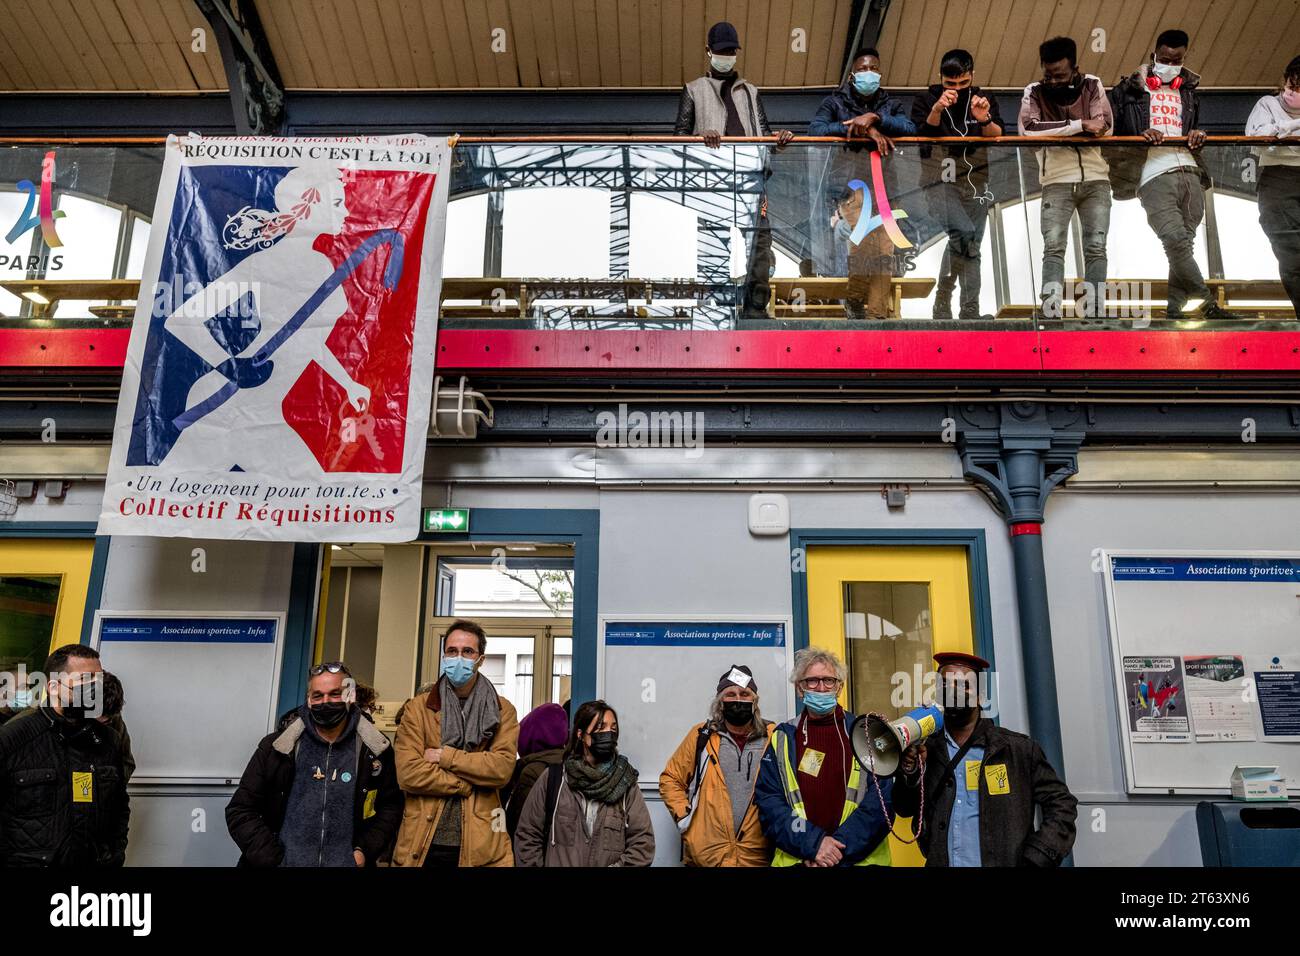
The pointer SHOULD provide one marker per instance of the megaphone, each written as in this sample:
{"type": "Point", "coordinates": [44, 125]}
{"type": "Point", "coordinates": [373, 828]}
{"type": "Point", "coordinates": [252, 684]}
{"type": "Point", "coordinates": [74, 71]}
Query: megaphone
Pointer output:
{"type": "Point", "coordinates": [879, 744]}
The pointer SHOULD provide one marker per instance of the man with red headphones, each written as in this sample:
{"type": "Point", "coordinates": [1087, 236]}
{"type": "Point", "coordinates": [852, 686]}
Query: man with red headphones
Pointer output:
{"type": "Point", "coordinates": [1155, 102]}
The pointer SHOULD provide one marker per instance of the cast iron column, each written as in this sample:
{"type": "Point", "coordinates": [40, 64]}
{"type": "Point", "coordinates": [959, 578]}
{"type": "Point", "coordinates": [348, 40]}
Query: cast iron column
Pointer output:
{"type": "Point", "coordinates": [1018, 453]}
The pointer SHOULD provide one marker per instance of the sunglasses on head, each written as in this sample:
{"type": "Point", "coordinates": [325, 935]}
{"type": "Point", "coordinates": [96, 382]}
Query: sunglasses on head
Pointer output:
{"type": "Point", "coordinates": [333, 667]}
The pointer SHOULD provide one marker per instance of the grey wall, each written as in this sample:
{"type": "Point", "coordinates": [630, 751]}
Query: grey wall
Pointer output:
{"type": "Point", "coordinates": [154, 574]}
{"type": "Point", "coordinates": [1139, 830]}
{"type": "Point", "coordinates": [80, 502]}
{"type": "Point", "coordinates": [684, 550]}
{"type": "Point", "coordinates": [689, 551]}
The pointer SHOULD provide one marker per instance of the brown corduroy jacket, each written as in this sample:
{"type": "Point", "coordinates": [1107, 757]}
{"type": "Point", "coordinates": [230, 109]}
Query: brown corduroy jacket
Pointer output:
{"type": "Point", "coordinates": [475, 775]}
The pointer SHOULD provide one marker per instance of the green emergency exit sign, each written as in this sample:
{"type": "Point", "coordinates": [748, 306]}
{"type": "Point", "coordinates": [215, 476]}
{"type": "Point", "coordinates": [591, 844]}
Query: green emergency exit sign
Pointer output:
{"type": "Point", "coordinates": [446, 519]}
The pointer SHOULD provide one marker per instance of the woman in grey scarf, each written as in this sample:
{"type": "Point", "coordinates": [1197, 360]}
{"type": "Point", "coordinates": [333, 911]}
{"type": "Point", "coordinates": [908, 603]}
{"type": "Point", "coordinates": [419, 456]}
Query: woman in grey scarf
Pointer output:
{"type": "Point", "coordinates": [587, 810]}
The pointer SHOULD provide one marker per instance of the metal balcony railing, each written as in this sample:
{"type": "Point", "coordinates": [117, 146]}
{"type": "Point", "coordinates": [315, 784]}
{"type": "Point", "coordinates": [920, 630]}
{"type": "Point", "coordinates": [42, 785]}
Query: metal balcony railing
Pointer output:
{"type": "Point", "coordinates": [657, 234]}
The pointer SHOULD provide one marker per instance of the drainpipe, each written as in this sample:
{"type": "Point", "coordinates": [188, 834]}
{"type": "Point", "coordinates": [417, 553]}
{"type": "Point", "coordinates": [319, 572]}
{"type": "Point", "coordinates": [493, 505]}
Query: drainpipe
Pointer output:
{"type": "Point", "coordinates": [1017, 454]}
{"type": "Point", "coordinates": [1024, 476]}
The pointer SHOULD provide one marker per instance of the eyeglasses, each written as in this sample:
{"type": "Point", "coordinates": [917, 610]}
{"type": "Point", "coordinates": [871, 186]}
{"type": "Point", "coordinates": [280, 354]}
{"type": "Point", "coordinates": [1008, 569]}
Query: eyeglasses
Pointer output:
{"type": "Point", "coordinates": [468, 653]}
{"type": "Point", "coordinates": [813, 683]}
{"type": "Point", "coordinates": [333, 667]}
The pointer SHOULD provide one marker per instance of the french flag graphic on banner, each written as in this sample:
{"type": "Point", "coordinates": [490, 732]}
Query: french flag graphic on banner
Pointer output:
{"type": "Point", "coordinates": [278, 377]}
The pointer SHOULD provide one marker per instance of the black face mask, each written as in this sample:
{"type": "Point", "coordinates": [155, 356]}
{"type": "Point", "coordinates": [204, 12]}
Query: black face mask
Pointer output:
{"type": "Point", "coordinates": [957, 716]}
{"type": "Point", "coordinates": [959, 703]}
{"type": "Point", "coordinates": [84, 698]}
{"type": "Point", "coordinates": [604, 744]}
{"type": "Point", "coordinates": [329, 714]}
{"type": "Point", "coordinates": [738, 713]}
{"type": "Point", "coordinates": [1065, 94]}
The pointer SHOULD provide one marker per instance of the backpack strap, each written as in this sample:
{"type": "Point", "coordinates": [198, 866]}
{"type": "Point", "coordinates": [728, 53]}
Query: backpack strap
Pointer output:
{"type": "Point", "coordinates": [697, 773]}
{"type": "Point", "coordinates": [693, 782]}
{"type": "Point", "coordinates": [554, 775]}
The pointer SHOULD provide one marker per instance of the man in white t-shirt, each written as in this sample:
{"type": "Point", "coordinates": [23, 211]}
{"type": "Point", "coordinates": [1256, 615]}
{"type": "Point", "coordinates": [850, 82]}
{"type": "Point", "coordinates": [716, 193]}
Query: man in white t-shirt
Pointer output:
{"type": "Point", "coordinates": [1156, 102]}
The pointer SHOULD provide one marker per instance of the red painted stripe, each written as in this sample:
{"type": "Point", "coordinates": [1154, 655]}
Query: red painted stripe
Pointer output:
{"type": "Point", "coordinates": [822, 351]}
{"type": "Point", "coordinates": [814, 352]}
{"type": "Point", "coordinates": [673, 352]}
{"type": "Point", "coordinates": [1026, 527]}
{"type": "Point", "coordinates": [1182, 351]}
{"type": "Point", "coordinates": [63, 348]}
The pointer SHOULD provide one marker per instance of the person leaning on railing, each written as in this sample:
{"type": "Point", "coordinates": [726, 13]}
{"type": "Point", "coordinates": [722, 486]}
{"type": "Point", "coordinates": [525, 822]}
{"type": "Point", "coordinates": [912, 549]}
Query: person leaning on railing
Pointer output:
{"type": "Point", "coordinates": [1067, 103]}
{"type": "Point", "coordinates": [1278, 114]}
{"type": "Point", "coordinates": [862, 109]}
{"type": "Point", "coordinates": [1156, 101]}
{"type": "Point", "coordinates": [955, 106]}
{"type": "Point", "coordinates": [722, 103]}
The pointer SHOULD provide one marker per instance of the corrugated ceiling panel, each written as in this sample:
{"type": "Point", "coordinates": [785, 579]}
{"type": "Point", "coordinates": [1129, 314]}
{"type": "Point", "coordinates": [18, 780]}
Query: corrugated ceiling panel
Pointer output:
{"type": "Point", "coordinates": [414, 44]}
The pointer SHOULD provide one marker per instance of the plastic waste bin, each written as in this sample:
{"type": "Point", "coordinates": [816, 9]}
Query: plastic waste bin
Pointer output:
{"type": "Point", "coordinates": [1246, 834]}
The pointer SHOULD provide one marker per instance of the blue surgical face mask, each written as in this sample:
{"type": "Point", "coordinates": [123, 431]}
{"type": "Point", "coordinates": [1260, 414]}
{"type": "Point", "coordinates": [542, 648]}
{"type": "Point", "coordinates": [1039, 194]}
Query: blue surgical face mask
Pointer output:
{"type": "Point", "coordinates": [22, 699]}
{"type": "Point", "coordinates": [722, 64]}
{"type": "Point", "coordinates": [866, 82]}
{"type": "Point", "coordinates": [458, 670]}
{"type": "Point", "coordinates": [819, 701]}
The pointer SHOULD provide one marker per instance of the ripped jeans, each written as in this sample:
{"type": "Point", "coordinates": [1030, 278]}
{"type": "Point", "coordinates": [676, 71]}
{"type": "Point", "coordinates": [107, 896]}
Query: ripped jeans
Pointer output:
{"type": "Point", "coordinates": [1060, 200]}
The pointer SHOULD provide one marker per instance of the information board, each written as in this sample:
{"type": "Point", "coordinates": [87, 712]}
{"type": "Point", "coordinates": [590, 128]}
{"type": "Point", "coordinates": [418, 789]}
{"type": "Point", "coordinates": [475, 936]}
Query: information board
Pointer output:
{"type": "Point", "coordinates": [1206, 652]}
{"type": "Point", "coordinates": [200, 688]}
{"type": "Point", "coordinates": [661, 674]}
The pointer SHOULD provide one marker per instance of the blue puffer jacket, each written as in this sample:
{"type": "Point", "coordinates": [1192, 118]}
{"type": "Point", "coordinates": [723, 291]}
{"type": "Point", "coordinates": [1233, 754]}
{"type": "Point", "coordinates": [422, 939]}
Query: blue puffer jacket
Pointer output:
{"type": "Point", "coordinates": [861, 833]}
{"type": "Point", "coordinates": [845, 103]}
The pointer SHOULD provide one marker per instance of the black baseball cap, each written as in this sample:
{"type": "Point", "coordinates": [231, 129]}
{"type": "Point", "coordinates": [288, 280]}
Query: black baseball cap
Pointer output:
{"type": "Point", "coordinates": [723, 36]}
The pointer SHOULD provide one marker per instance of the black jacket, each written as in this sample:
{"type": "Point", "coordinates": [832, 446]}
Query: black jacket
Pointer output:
{"type": "Point", "coordinates": [845, 103]}
{"type": "Point", "coordinates": [528, 770]}
{"type": "Point", "coordinates": [256, 811]}
{"type": "Point", "coordinates": [1006, 822]}
{"type": "Point", "coordinates": [115, 722]}
{"type": "Point", "coordinates": [1130, 103]}
{"type": "Point", "coordinates": [63, 799]}
{"type": "Point", "coordinates": [954, 121]}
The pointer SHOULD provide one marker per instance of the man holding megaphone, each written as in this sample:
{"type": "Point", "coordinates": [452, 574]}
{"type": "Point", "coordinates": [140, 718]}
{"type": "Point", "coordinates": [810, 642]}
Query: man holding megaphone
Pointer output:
{"type": "Point", "coordinates": [982, 784]}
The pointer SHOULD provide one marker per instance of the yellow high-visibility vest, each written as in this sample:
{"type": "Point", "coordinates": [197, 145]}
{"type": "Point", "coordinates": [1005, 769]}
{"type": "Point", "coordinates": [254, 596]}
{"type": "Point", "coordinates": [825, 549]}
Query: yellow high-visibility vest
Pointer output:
{"type": "Point", "coordinates": [854, 792]}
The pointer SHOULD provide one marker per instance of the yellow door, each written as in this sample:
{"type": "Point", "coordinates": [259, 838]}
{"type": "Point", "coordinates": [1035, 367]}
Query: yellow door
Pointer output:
{"type": "Point", "coordinates": [43, 584]}
{"type": "Point", "coordinates": [886, 611]}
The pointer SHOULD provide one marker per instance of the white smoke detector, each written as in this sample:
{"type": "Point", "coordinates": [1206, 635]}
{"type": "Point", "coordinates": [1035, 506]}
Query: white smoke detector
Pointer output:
{"type": "Point", "coordinates": [769, 514]}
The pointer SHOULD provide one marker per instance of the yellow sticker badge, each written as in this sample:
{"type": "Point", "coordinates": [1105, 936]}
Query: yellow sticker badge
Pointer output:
{"type": "Point", "coordinates": [973, 775]}
{"type": "Point", "coordinates": [368, 809]}
{"type": "Point", "coordinates": [995, 775]}
{"type": "Point", "coordinates": [83, 787]}
{"type": "Point", "coordinates": [811, 763]}
{"type": "Point", "coordinates": [926, 724]}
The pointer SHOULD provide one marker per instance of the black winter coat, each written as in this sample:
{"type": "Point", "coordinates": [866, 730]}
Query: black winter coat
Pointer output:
{"type": "Point", "coordinates": [63, 799]}
{"type": "Point", "coordinates": [1006, 822]}
{"type": "Point", "coordinates": [954, 121]}
{"type": "Point", "coordinates": [1130, 103]}
{"type": "Point", "coordinates": [256, 812]}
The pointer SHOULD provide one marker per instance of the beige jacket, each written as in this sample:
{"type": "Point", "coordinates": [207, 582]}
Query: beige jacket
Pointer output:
{"type": "Point", "coordinates": [475, 775]}
{"type": "Point", "coordinates": [622, 834]}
